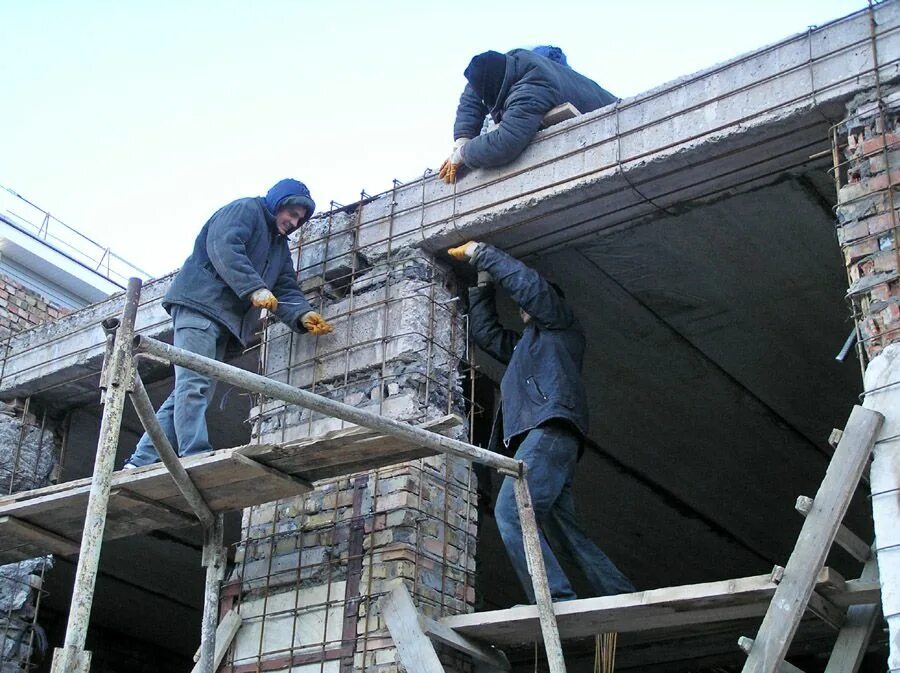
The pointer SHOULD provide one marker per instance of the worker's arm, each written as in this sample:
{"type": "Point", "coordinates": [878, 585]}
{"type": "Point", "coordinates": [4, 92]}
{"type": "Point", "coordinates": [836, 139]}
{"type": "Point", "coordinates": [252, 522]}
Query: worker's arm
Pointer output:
{"type": "Point", "coordinates": [526, 287]}
{"type": "Point", "coordinates": [485, 326]}
{"type": "Point", "coordinates": [526, 106]}
{"type": "Point", "coordinates": [226, 245]}
{"type": "Point", "coordinates": [470, 114]}
{"type": "Point", "coordinates": [292, 305]}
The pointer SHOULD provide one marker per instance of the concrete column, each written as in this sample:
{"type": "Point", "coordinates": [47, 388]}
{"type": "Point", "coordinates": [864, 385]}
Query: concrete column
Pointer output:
{"type": "Point", "coordinates": [868, 233]}
{"type": "Point", "coordinates": [310, 570]}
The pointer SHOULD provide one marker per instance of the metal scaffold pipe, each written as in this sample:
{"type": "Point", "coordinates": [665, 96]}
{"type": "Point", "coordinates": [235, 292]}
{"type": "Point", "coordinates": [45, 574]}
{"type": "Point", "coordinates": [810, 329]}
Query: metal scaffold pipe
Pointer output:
{"type": "Point", "coordinates": [287, 393]}
{"type": "Point", "coordinates": [117, 379]}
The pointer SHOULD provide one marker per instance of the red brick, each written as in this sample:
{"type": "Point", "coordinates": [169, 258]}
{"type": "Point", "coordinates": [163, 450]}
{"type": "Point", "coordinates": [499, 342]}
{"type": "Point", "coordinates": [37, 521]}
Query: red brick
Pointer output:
{"type": "Point", "coordinates": [885, 291]}
{"type": "Point", "coordinates": [885, 262]}
{"type": "Point", "coordinates": [890, 314]}
{"type": "Point", "coordinates": [877, 143]}
{"type": "Point", "coordinates": [853, 231]}
{"type": "Point", "coordinates": [880, 223]}
{"type": "Point", "coordinates": [881, 182]}
{"type": "Point", "coordinates": [857, 251]}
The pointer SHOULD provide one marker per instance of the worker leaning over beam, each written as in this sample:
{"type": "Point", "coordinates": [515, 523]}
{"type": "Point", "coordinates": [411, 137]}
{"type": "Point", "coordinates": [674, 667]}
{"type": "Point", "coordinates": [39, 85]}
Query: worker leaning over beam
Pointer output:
{"type": "Point", "coordinates": [240, 264]}
{"type": "Point", "coordinates": [517, 89]}
{"type": "Point", "coordinates": [544, 415]}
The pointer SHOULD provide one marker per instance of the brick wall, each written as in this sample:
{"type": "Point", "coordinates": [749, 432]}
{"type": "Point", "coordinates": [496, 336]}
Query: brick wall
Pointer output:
{"type": "Point", "coordinates": [21, 308]}
{"type": "Point", "coordinates": [868, 216]}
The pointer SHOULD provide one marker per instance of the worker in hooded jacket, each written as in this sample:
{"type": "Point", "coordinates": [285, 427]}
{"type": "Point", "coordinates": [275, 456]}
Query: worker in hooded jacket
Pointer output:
{"type": "Point", "coordinates": [544, 415]}
{"type": "Point", "coordinates": [240, 265]}
{"type": "Point", "coordinates": [517, 89]}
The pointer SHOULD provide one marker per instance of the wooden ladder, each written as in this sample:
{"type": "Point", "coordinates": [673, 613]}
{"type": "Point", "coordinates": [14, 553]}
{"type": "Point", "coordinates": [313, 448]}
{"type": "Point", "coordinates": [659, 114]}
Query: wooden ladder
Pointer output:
{"type": "Point", "coordinates": [821, 529]}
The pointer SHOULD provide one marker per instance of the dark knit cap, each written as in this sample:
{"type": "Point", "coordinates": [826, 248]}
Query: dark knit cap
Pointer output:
{"type": "Point", "coordinates": [485, 74]}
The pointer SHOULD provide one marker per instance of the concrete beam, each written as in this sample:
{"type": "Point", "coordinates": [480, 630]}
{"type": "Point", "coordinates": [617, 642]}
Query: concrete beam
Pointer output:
{"type": "Point", "coordinates": [61, 359]}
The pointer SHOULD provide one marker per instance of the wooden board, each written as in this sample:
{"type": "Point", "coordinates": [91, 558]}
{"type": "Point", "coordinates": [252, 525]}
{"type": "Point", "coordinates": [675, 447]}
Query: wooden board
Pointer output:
{"type": "Point", "coordinates": [51, 519]}
{"type": "Point", "coordinates": [559, 114]}
{"type": "Point", "coordinates": [354, 449]}
{"type": "Point", "coordinates": [671, 608]}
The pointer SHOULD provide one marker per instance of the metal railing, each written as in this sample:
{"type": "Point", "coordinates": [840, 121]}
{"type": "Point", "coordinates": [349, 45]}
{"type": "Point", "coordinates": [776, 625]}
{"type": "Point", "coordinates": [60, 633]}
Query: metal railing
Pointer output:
{"type": "Point", "coordinates": [34, 221]}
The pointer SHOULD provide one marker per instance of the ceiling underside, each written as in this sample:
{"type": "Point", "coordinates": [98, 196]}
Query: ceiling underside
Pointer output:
{"type": "Point", "coordinates": [712, 382]}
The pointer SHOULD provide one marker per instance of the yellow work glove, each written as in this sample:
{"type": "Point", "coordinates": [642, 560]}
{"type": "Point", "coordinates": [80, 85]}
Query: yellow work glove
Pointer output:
{"type": "Point", "coordinates": [264, 299]}
{"type": "Point", "coordinates": [315, 324]}
{"type": "Point", "coordinates": [464, 252]}
{"type": "Point", "coordinates": [451, 164]}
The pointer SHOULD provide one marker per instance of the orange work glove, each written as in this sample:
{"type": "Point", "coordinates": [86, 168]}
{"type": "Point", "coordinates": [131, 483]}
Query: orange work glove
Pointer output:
{"type": "Point", "coordinates": [464, 252]}
{"type": "Point", "coordinates": [264, 299]}
{"type": "Point", "coordinates": [451, 164]}
{"type": "Point", "coordinates": [315, 324]}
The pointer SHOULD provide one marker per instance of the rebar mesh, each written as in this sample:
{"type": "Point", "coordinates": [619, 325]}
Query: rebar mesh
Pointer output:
{"type": "Point", "coordinates": [310, 570]}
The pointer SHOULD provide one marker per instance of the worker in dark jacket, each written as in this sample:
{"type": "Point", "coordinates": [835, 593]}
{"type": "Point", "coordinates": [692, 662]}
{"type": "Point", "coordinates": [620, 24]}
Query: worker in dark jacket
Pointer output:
{"type": "Point", "coordinates": [517, 89]}
{"type": "Point", "coordinates": [240, 264]}
{"type": "Point", "coordinates": [545, 415]}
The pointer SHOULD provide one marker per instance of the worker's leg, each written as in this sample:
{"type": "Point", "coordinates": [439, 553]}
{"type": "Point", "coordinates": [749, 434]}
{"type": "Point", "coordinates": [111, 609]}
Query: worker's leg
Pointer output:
{"type": "Point", "coordinates": [198, 334]}
{"type": "Point", "coordinates": [561, 526]}
{"type": "Point", "coordinates": [549, 454]}
{"type": "Point", "coordinates": [145, 452]}
{"type": "Point", "coordinates": [193, 391]}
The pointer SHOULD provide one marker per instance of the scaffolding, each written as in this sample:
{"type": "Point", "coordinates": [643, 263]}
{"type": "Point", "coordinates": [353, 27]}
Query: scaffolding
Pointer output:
{"type": "Point", "coordinates": [262, 472]}
{"type": "Point", "coordinates": [120, 379]}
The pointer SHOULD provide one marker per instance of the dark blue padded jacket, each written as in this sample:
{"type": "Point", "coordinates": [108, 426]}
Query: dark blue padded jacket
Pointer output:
{"type": "Point", "coordinates": [237, 252]}
{"type": "Point", "coordinates": [532, 86]}
{"type": "Point", "coordinates": [543, 375]}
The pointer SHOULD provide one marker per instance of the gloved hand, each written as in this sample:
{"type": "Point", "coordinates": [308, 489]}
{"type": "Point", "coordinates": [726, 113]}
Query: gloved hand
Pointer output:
{"type": "Point", "coordinates": [315, 324]}
{"type": "Point", "coordinates": [464, 252]}
{"type": "Point", "coordinates": [264, 299]}
{"type": "Point", "coordinates": [484, 278]}
{"type": "Point", "coordinates": [451, 164]}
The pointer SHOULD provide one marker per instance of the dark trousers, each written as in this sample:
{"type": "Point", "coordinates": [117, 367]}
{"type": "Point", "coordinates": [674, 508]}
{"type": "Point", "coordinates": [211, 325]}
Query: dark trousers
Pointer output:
{"type": "Point", "coordinates": [550, 453]}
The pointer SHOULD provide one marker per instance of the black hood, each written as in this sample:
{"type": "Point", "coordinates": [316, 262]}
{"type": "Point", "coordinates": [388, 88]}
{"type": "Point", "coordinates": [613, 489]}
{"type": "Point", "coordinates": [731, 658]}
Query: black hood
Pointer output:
{"type": "Point", "coordinates": [485, 75]}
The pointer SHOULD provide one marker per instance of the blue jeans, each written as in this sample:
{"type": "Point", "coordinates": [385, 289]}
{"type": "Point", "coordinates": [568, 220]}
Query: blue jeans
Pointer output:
{"type": "Point", "coordinates": [183, 414]}
{"type": "Point", "coordinates": [550, 453]}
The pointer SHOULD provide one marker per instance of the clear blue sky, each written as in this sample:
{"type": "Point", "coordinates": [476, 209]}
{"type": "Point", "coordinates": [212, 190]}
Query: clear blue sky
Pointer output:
{"type": "Point", "coordinates": [133, 121]}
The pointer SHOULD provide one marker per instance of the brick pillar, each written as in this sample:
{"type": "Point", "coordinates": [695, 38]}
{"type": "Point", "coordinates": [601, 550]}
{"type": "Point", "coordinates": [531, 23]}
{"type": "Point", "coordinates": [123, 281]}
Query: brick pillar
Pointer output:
{"type": "Point", "coordinates": [310, 570]}
{"type": "Point", "coordinates": [29, 454]}
{"type": "Point", "coordinates": [868, 232]}
{"type": "Point", "coordinates": [868, 216]}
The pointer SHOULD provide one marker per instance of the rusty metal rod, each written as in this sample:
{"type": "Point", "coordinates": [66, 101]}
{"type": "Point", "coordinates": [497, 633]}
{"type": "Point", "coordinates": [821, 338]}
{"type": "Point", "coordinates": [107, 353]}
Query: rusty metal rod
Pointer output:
{"type": "Point", "coordinates": [144, 408]}
{"type": "Point", "coordinates": [72, 658]}
{"type": "Point", "coordinates": [266, 386]}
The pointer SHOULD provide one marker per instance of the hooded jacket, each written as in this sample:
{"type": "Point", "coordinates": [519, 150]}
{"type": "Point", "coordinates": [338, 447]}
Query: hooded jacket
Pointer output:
{"type": "Point", "coordinates": [543, 374]}
{"type": "Point", "coordinates": [237, 252]}
{"type": "Point", "coordinates": [532, 86]}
